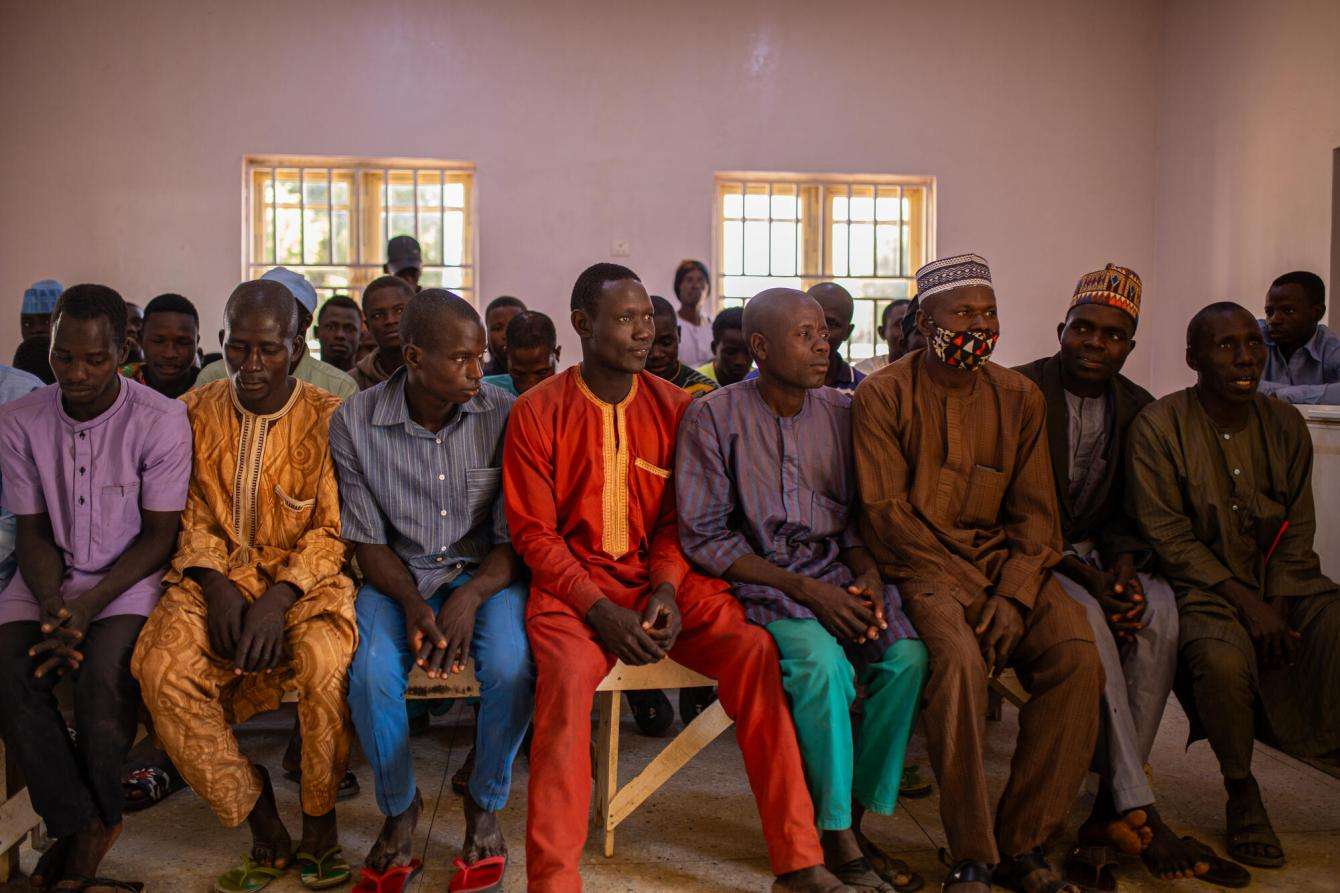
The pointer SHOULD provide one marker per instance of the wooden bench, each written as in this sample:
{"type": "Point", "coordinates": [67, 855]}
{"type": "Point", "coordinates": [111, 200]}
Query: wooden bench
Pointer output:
{"type": "Point", "coordinates": [612, 803]}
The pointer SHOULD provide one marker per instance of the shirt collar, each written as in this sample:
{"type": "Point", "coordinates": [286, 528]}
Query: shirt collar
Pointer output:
{"type": "Point", "coordinates": [75, 425]}
{"type": "Point", "coordinates": [845, 373]}
{"type": "Point", "coordinates": [1313, 345]}
{"type": "Point", "coordinates": [391, 408]}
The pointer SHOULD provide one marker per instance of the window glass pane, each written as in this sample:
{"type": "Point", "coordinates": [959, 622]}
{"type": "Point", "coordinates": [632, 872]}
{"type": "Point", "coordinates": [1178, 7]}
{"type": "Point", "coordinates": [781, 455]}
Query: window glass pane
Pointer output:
{"type": "Point", "coordinates": [314, 192]}
{"type": "Point", "coordinates": [316, 235]}
{"type": "Point", "coordinates": [783, 249]}
{"type": "Point", "coordinates": [886, 248]}
{"type": "Point", "coordinates": [748, 286]}
{"type": "Point", "coordinates": [862, 203]}
{"type": "Point", "coordinates": [289, 236]}
{"type": "Point", "coordinates": [342, 254]}
{"type": "Point", "coordinates": [454, 238]}
{"type": "Point", "coordinates": [862, 249]}
{"type": "Point", "coordinates": [756, 248]}
{"type": "Point", "coordinates": [454, 195]}
{"type": "Point", "coordinates": [732, 205]}
{"type": "Point", "coordinates": [837, 262]}
{"type": "Point", "coordinates": [756, 202]}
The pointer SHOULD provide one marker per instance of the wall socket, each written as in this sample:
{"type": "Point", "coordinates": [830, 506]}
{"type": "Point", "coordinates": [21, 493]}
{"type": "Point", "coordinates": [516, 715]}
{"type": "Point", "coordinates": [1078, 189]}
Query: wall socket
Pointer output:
{"type": "Point", "coordinates": [621, 248]}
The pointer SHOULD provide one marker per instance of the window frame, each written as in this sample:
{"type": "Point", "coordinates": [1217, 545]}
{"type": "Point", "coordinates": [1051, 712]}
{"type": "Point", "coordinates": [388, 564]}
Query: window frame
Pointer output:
{"type": "Point", "coordinates": [816, 230]}
{"type": "Point", "coordinates": [368, 235]}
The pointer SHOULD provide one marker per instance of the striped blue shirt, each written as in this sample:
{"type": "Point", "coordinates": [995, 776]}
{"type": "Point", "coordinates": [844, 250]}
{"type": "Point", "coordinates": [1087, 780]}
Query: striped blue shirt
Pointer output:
{"type": "Point", "coordinates": [434, 497]}
{"type": "Point", "coordinates": [751, 482]}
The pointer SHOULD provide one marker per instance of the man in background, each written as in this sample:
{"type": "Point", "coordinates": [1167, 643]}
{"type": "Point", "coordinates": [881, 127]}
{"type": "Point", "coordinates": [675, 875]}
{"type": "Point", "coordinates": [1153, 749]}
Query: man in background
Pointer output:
{"type": "Point", "coordinates": [730, 354]}
{"type": "Point", "coordinates": [39, 299]}
{"type": "Point", "coordinates": [1302, 354]}
{"type": "Point", "coordinates": [309, 368]}
{"type": "Point", "coordinates": [891, 330]}
{"type": "Point", "coordinates": [171, 345]}
{"type": "Point", "coordinates": [532, 353]}
{"type": "Point", "coordinates": [384, 302]}
{"type": "Point", "coordinates": [663, 359]}
{"type": "Point", "coordinates": [497, 315]}
{"type": "Point", "coordinates": [404, 258]}
{"type": "Point", "coordinates": [339, 325]}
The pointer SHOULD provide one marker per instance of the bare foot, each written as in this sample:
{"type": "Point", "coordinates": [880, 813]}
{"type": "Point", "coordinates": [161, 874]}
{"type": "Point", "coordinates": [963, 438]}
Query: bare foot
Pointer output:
{"type": "Point", "coordinates": [395, 844]}
{"type": "Point", "coordinates": [319, 833]}
{"type": "Point", "coordinates": [1168, 856]}
{"type": "Point", "coordinates": [483, 836]}
{"type": "Point", "coordinates": [816, 879]}
{"type": "Point", "coordinates": [270, 842]}
{"type": "Point", "coordinates": [1128, 833]}
{"type": "Point", "coordinates": [87, 849]}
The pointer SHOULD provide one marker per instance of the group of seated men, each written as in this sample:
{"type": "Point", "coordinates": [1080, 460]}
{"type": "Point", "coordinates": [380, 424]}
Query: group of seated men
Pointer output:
{"type": "Point", "coordinates": [803, 534]}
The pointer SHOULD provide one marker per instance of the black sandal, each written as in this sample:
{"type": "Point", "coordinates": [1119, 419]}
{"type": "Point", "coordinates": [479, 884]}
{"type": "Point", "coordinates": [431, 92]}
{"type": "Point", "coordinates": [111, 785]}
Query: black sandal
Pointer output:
{"type": "Point", "coordinates": [50, 866]}
{"type": "Point", "coordinates": [889, 868]}
{"type": "Point", "coordinates": [154, 785]}
{"type": "Point", "coordinates": [1091, 868]}
{"type": "Point", "coordinates": [965, 871]}
{"type": "Point", "coordinates": [1250, 827]}
{"type": "Point", "coordinates": [1013, 871]}
{"type": "Point", "coordinates": [652, 712]}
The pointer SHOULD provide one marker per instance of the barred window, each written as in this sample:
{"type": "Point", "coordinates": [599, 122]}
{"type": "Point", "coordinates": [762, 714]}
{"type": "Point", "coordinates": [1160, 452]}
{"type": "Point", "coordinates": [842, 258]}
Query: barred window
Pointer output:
{"type": "Point", "coordinates": [867, 233]}
{"type": "Point", "coordinates": [330, 219]}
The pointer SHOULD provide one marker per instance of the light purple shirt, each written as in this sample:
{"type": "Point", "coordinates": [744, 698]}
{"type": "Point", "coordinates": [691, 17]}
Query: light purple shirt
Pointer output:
{"type": "Point", "coordinates": [92, 478]}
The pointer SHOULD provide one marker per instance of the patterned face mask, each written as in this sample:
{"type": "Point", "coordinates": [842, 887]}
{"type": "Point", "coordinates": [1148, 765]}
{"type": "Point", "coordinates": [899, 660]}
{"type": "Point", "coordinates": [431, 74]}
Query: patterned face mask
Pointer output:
{"type": "Point", "coordinates": [963, 350]}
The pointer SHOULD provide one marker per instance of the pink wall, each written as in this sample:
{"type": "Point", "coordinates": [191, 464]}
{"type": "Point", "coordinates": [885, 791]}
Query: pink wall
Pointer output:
{"type": "Point", "coordinates": [1249, 118]}
{"type": "Point", "coordinates": [126, 124]}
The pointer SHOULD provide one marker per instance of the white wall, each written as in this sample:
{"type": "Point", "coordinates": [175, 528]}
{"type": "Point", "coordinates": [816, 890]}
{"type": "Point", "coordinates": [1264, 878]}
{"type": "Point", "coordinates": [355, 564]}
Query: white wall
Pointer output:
{"type": "Point", "coordinates": [1249, 118]}
{"type": "Point", "coordinates": [125, 125]}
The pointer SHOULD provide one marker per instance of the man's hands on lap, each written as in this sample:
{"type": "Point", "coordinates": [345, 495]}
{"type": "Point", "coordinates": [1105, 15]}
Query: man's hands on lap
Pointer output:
{"type": "Point", "coordinates": [621, 632]}
{"type": "Point", "coordinates": [661, 619]}
{"type": "Point", "coordinates": [1276, 644]}
{"type": "Point", "coordinates": [261, 645]}
{"type": "Point", "coordinates": [456, 623]}
{"type": "Point", "coordinates": [999, 625]}
{"type": "Point", "coordinates": [225, 608]}
{"type": "Point", "coordinates": [849, 614]}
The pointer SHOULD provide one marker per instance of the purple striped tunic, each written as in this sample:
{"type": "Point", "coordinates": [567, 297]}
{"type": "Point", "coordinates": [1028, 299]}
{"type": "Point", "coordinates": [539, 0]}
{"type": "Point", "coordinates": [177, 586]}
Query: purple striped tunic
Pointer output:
{"type": "Point", "coordinates": [748, 481]}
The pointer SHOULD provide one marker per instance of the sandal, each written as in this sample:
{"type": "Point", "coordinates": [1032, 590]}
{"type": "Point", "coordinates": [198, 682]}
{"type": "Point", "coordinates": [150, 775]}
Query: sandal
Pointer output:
{"type": "Point", "coordinates": [50, 867]}
{"type": "Point", "coordinates": [913, 786]}
{"type": "Point", "coordinates": [859, 874]}
{"type": "Point", "coordinates": [1013, 872]}
{"type": "Point", "coordinates": [395, 879]}
{"type": "Point", "coordinates": [1091, 868]}
{"type": "Point", "coordinates": [1250, 827]}
{"type": "Point", "coordinates": [326, 870]}
{"type": "Point", "coordinates": [249, 877]}
{"type": "Point", "coordinates": [83, 882]}
{"type": "Point", "coordinates": [154, 784]}
{"type": "Point", "coordinates": [1222, 872]}
{"type": "Point", "coordinates": [484, 876]}
{"type": "Point", "coordinates": [965, 871]}
{"type": "Point", "coordinates": [889, 868]}
{"type": "Point", "coordinates": [652, 712]}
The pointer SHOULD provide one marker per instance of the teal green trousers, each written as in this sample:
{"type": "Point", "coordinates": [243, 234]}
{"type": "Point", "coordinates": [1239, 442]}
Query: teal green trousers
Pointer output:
{"type": "Point", "coordinates": [821, 684]}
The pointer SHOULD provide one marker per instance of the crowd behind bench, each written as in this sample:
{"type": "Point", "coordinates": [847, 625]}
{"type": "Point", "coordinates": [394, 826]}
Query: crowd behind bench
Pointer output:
{"type": "Point", "coordinates": [200, 536]}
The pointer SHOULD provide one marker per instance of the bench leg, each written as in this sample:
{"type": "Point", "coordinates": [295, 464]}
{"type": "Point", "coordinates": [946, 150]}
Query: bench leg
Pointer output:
{"type": "Point", "coordinates": [607, 762]}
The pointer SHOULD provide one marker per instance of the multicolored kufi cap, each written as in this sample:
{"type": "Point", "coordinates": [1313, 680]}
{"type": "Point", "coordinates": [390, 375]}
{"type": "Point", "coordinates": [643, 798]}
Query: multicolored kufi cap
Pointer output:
{"type": "Point", "coordinates": [1113, 286]}
{"type": "Point", "coordinates": [952, 272]}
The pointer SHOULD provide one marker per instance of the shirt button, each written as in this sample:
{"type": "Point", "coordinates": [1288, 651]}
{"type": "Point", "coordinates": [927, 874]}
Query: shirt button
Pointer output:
{"type": "Point", "coordinates": [1235, 508]}
{"type": "Point", "coordinates": [440, 559]}
{"type": "Point", "coordinates": [1228, 437]}
{"type": "Point", "coordinates": [81, 469]}
{"type": "Point", "coordinates": [439, 440]}
{"type": "Point", "coordinates": [441, 477]}
{"type": "Point", "coordinates": [443, 549]}
{"type": "Point", "coordinates": [81, 500]}
{"type": "Point", "coordinates": [1237, 471]}
{"type": "Point", "coordinates": [443, 513]}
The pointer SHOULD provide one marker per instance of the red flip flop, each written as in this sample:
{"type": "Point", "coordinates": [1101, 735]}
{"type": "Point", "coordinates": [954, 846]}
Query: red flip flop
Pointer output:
{"type": "Point", "coordinates": [484, 876]}
{"type": "Point", "coordinates": [395, 879]}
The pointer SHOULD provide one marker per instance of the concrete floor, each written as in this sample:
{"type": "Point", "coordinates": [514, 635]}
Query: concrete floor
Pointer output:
{"type": "Point", "coordinates": [701, 832]}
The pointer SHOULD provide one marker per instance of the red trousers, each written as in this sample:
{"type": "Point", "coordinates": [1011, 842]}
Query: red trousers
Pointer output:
{"type": "Point", "coordinates": [718, 642]}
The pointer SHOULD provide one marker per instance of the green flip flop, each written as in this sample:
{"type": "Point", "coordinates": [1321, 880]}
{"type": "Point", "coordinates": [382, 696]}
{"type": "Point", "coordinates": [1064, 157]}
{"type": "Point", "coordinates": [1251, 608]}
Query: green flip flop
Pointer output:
{"type": "Point", "coordinates": [249, 877]}
{"type": "Point", "coordinates": [324, 871]}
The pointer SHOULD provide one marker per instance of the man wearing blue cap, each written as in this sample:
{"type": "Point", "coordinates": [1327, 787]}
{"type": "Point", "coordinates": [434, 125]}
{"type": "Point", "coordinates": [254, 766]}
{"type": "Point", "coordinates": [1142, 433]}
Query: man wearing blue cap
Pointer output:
{"type": "Point", "coordinates": [39, 299]}
{"type": "Point", "coordinates": [309, 368]}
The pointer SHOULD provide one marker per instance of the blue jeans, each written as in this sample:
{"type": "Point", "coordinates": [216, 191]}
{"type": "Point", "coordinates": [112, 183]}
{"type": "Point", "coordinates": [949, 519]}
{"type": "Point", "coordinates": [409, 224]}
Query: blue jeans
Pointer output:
{"type": "Point", "coordinates": [379, 676]}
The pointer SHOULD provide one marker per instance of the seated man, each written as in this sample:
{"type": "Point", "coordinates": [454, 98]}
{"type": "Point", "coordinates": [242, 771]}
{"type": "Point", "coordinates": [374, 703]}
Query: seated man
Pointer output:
{"type": "Point", "coordinates": [339, 323]}
{"type": "Point", "coordinates": [96, 469]}
{"type": "Point", "coordinates": [532, 353]}
{"type": "Point", "coordinates": [730, 357]}
{"type": "Point", "coordinates": [424, 602]}
{"type": "Point", "coordinates": [39, 299]}
{"type": "Point", "coordinates": [766, 487]}
{"type": "Point", "coordinates": [497, 315]}
{"type": "Point", "coordinates": [170, 342]}
{"type": "Point", "coordinates": [1090, 406]}
{"type": "Point", "coordinates": [1302, 355]}
{"type": "Point", "coordinates": [591, 508]}
{"type": "Point", "coordinates": [1220, 483]}
{"type": "Point", "coordinates": [384, 302]}
{"type": "Point", "coordinates": [891, 330]}
{"type": "Point", "coordinates": [960, 513]}
{"type": "Point", "coordinates": [663, 360]}
{"type": "Point", "coordinates": [306, 367]}
{"type": "Point", "coordinates": [14, 383]}
{"type": "Point", "coordinates": [257, 601]}
{"type": "Point", "coordinates": [838, 308]}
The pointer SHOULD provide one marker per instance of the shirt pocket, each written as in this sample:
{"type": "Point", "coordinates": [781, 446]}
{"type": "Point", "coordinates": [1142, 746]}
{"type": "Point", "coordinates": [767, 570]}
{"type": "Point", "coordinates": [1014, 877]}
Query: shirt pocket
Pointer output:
{"type": "Point", "coordinates": [981, 503]}
{"type": "Point", "coordinates": [118, 514]}
{"type": "Point", "coordinates": [292, 515]}
{"type": "Point", "coordinates": [481, 492]}
{"type": "Point", "coordinates": [828, 517]}
{"type": "Point", "coordinates": [647, 483]}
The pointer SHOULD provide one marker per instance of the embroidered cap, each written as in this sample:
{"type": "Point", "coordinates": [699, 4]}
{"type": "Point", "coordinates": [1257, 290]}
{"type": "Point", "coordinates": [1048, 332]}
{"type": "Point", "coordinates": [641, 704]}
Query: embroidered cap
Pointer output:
{"type": "Point", "coordinates": [952, 272]}
{"type": "Point", "coordinates": [1113, 286]}
{"type": "Point", "coordinates": [40, 297]}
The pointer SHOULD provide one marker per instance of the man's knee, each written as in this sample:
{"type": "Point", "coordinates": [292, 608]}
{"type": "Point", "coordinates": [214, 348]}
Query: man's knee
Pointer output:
{"type": "Point", "coordinates": [1076, 663]}
{"type": "Point", "coordinates": [1220, 666]}
{"type": "Point", "coordinates": [320, 666]}
{"type": "Point", "coordinates": [818, 664]}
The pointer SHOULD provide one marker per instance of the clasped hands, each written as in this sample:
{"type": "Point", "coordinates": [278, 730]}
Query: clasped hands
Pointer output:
{"type": "Point", "coordinates": [636, 638]}
{"type": "Point", "coordinates": [64, 624]}
{"type": "Point", "coordinates": [250, 635]}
